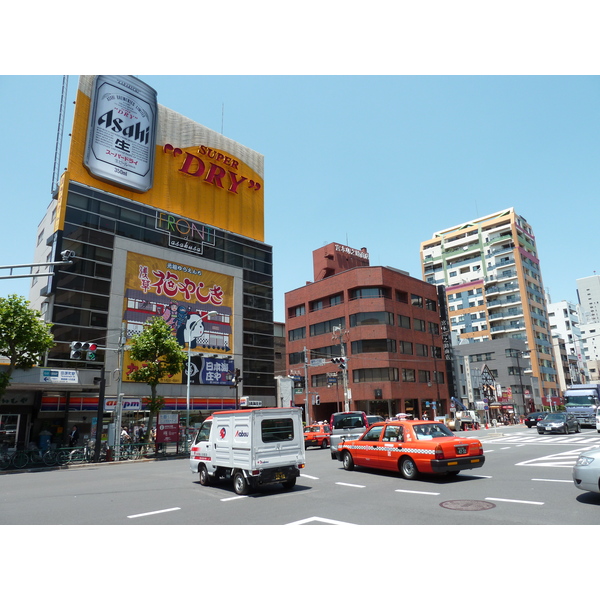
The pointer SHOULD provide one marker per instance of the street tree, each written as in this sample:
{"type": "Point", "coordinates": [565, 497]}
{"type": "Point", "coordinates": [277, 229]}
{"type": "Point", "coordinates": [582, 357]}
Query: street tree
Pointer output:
{"type": "Point", "coordinates": [24, 336]}
{"type": "Point", "coordinates": [160, 356]}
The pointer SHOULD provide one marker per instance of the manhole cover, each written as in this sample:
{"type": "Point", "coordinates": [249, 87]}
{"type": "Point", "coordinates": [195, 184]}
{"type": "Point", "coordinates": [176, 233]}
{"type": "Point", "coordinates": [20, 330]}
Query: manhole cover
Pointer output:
{"type": "Point", "coordinates": [467, 505]}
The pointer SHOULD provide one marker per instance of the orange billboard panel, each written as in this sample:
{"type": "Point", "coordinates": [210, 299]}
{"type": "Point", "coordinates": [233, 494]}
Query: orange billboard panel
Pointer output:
{"type": "Point", "coordinates": [197, 173]}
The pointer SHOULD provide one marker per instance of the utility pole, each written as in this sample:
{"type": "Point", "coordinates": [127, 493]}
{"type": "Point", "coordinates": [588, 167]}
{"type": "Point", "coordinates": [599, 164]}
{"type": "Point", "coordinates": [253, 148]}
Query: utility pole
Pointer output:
{"type": "Point", "coordinates": [119, 408]}
{"type": "Point", "coordinates": [338, 334]}
{"type": "Point", "coordinates": [306, 398]}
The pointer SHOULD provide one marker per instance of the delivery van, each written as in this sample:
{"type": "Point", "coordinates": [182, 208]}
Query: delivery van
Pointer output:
{"type": "Point", "coordinates": [252, 447]}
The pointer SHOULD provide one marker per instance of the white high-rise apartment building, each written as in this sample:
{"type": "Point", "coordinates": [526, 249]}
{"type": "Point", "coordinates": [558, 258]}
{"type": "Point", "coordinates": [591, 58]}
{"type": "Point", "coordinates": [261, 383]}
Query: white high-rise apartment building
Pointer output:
{"type": "Point", "coordinates": [494, 289]}
{"type": "Point", "coordinates": [564, 325]}
{"type": "Point", "coordinates": [588, 292]}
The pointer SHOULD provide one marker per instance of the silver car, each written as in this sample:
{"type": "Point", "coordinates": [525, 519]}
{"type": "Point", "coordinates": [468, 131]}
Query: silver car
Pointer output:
{"type": "Point", "coordinates": [586, 472]}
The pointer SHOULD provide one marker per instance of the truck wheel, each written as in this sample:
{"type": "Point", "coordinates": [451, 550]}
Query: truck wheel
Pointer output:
{"type": "Point", "coordinates": [408, 468]}
{"type": "Point", "coordinates": [334, 455]}
{"type": "Point", "coordinates": [289, 484]}
{"type": "Point", "coordinates": [203, 475]}
{"type": "Point", "coordinates": [240, 486]}
{"type": "Point", "coordinates": [347, 461]}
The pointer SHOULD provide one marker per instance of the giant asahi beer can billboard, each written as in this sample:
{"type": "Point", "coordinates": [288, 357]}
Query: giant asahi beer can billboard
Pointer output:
{"type": "Point", "coordinates": [121, 135]}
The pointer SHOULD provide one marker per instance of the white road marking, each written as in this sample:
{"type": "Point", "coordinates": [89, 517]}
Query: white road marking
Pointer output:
{"type": "Point", "coordinates": [349, 484]}
{"type": "Point", "coordinates": [512, 500]}
{"type": "Point", "coordinates": [233, 498]}
{"type": "Point", "coordinates": [555, 480]}
{"type": "Point", "coordinates": [156, 512]}
{"type": "Point", "coordinates": [416, 492]}
{"type": "Point", "coordinates": [308, 476]}
{"type": "Point", "coordinates": [320, 520]}
{"type": "Point", "coordinates": [563, 459]}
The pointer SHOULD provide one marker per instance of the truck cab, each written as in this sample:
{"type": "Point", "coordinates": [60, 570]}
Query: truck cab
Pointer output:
{"type": "Point", "coordinates": [582, 401]}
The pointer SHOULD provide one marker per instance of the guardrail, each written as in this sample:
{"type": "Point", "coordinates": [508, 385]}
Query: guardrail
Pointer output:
{"type": "Point", "coordinates": [11, 459]}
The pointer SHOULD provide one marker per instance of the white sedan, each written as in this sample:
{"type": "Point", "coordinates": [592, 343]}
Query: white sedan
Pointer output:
{"type": "Point", "coordinates": [586, 472]}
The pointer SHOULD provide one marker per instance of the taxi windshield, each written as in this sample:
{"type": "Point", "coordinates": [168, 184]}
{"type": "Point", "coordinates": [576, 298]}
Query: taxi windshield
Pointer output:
{"type": "Point", "coordinates": [311, 429]}
{"type": "Point", "coordinates": [429, 431]}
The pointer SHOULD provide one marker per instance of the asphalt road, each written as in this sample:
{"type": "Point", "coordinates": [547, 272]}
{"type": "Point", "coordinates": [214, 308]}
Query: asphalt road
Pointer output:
{"type": "Point", "coordinates": [526, 480]}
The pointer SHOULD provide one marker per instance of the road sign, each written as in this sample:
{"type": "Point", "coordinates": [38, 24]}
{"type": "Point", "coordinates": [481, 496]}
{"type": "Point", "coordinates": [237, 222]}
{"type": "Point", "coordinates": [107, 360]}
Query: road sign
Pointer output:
{"type": "Point", "coordinates": [58, 376]}
{"type": "Point", "coordinates": [317, 362]}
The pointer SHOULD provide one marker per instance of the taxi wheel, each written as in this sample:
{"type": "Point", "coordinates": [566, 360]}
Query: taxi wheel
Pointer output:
{"type": "Point", "coordinates": [203, 475]}
{"type": "Point", "coordinates": [408, 468]}
{"type": "Point", "coordinates": [347, 461]}
{"type": "Point", "coordinates": [324, 444]}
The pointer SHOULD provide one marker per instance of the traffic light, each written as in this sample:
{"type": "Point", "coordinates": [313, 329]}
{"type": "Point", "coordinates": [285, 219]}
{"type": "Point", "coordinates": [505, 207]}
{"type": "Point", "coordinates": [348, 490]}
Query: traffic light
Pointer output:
{"type": "Point", "coordinates": [80, 350]}
{"type": "Point", "coordinates": [317, 399]}
{"type": "Point", "coordinates": [340, 362]}
{"type": "Point", "coordinates": [91, 351]}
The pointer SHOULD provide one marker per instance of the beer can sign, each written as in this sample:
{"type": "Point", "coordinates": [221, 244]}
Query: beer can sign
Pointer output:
{"type": "Point", "coordinates": [121, 135]}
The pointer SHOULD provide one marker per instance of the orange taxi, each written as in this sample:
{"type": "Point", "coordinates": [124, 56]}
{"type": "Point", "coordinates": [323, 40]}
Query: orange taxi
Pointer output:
{"type": "Point", "coordinates": [412, 447]}
{"type": "Point", "coordinates": [318, 434]}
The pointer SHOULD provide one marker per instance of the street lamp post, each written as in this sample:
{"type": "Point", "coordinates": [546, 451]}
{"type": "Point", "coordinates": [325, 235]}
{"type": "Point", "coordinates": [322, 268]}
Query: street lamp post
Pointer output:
{"type": "Point", "coordinates": [234, 377]}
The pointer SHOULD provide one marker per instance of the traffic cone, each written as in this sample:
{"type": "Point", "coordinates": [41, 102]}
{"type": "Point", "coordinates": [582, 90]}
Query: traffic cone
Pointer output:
{"type": "Point", "coordinates": [486, 425]}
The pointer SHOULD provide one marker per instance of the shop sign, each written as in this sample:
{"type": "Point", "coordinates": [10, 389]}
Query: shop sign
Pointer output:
{"type": "Point", "coordinates": [127, 404]}
{"type": "Point", "coordinates": [168, 428]}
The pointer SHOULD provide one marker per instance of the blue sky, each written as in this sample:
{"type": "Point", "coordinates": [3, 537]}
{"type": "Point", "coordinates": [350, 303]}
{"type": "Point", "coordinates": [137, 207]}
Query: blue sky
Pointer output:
{"type": "Point", "coordinates": [380, 162]}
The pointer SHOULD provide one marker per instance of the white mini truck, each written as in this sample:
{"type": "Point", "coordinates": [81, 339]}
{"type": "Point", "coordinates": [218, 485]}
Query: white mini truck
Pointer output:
{"type": "Point", "coordinates": [253, 447]}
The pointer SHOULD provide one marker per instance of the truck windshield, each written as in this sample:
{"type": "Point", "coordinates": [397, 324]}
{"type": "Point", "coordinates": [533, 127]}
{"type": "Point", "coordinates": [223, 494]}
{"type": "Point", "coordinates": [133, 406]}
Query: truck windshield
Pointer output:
{"type": "Point", "coordinates": [586, 400]}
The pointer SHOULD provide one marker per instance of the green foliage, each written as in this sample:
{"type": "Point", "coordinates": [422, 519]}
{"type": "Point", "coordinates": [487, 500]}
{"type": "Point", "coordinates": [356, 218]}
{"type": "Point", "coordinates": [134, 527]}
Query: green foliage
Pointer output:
{"type": "Point", "coordinates": [158, 351]}
{"type": "Point", "coordinates": [154, 405]}
{"type": "Point", "coordinates": [161, 356]}
{"type": "Point", "coordinates": [24, 336]}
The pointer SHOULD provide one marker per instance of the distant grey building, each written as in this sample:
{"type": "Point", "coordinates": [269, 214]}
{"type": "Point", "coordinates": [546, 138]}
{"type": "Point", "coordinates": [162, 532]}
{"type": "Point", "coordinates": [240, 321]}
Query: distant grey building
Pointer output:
{"type": "Point", "coordinates": [507, 361]}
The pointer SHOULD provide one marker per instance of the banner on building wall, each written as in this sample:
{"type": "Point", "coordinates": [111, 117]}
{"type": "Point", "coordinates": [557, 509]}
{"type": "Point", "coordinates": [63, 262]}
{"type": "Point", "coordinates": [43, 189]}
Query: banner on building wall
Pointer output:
{"type": "Point", "coordinates": [196, 172]}
{"type": "Point", "coordinates": [196, 303]}
{"type": "Point", "coordinates": [121, 133]}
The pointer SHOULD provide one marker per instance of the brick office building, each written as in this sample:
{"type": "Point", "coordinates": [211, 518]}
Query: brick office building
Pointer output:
{"type": "Point", "coordinates": [383, 322]}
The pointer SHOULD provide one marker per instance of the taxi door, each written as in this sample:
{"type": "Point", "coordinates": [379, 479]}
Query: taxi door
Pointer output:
{"type": "Point", "coordinates": [366, 453]}
{"type": "Point", "coordinates": [391, 440]}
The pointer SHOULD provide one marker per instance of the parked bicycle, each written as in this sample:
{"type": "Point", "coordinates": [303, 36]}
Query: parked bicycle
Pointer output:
{"type": "Point", "coordinates": [5, 457]}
